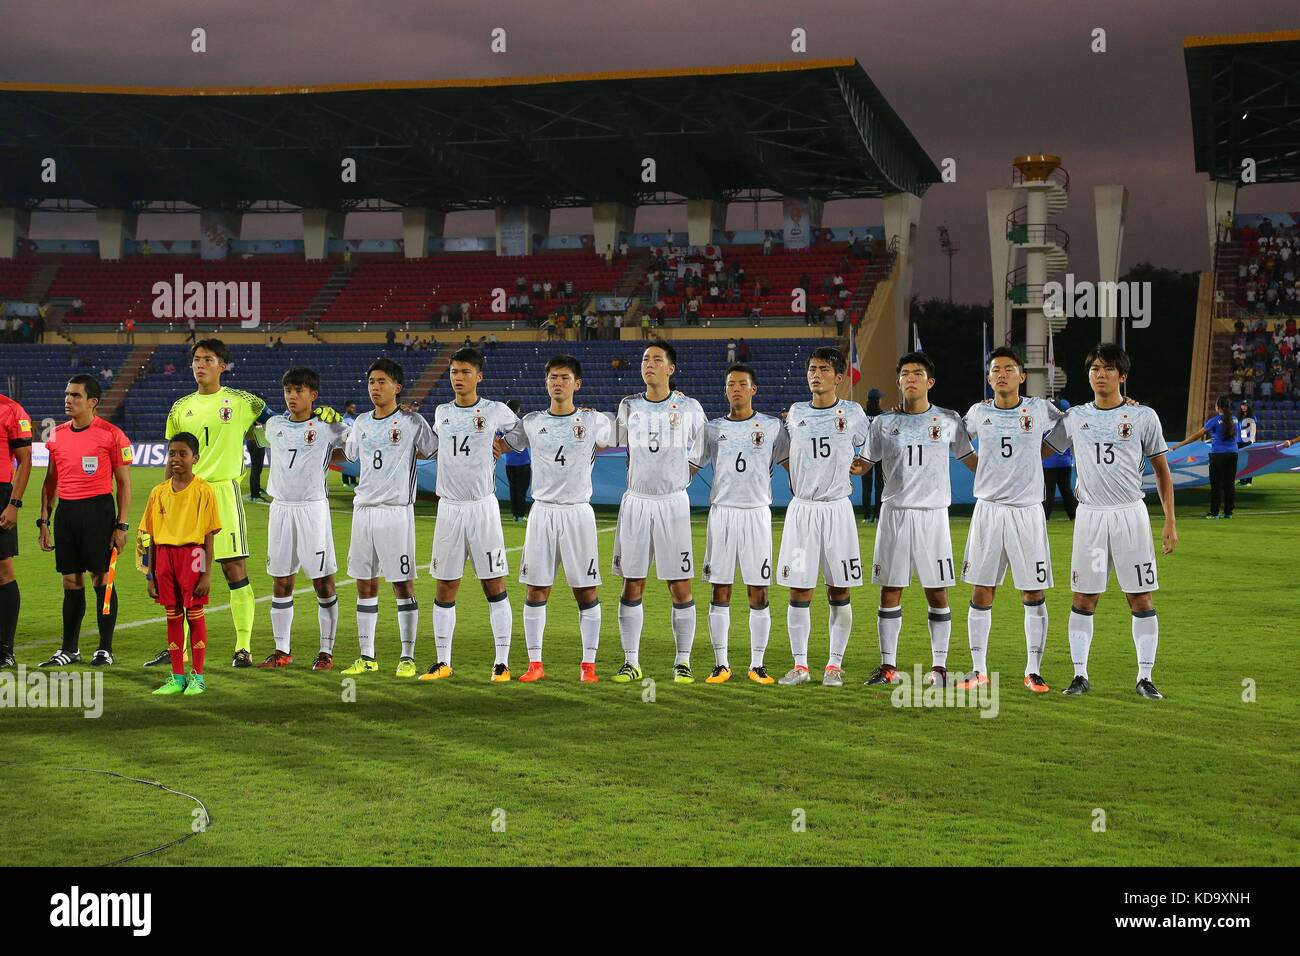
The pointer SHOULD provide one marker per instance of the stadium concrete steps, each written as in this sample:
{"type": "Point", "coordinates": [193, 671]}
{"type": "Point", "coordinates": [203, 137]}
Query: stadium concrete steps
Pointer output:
{"type": "Point", "coordinates": [431, 376]}
{"type": "Point", "coordinates": [638, 266]}
{"type": "Point", "coordinates": [124, 379]}
{"type": "Point", "coordinates": [327, 293]}
{"type": "Point", "coordinates": [40, 282]}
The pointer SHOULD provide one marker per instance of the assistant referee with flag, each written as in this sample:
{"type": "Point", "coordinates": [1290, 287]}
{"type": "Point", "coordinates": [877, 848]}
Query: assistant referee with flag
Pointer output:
{"type": "Point", "coordinates": [87, 454]}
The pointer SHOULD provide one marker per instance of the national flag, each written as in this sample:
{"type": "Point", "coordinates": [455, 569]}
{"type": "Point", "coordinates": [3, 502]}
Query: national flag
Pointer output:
{"type": "Point", "coordinates": [855, 364]}
{"type": "Point", "coordinates": [916, 337]}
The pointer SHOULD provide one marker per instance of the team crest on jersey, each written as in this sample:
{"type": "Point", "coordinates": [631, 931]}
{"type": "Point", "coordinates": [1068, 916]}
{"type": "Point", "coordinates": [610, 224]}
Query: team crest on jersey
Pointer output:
{"type": "Point", "coordinates": [1026, 423]}
{"type": "Point", "coordinates": [785, 572]}
{"type": "Point", "coordinates": [875, 569]}
{"type": "Point", "coordinates": [579, 431]}
{"type": "Point", "coordinates": [226, 413]}
{"type": "Point", "coordinates": [841, 423]}
{"type": "Point", "coordinates": [1125, 429]}
{"type": "Point", "coordinates": [394, 435]}
{"type": "Point", "coordinates": [757, 438]}
{"type": "Point", "coordinates": [479, 421]}
{"type": "Point", "coordinates": [310, 437]}
{"type": "Point", "coordinates": [674, 419]}
{"type": "Point", "coordinates": [708, 569]}
{"type": "Point", "coordinates": [935, 433]}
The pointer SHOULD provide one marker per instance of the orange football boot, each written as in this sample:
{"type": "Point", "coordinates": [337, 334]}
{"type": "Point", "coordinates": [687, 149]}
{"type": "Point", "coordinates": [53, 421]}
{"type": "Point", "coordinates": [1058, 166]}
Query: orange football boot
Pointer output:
{"type": "Point", "coordinates": [534, 672]}
{"type": "Point", "coordinates": [589, 674]}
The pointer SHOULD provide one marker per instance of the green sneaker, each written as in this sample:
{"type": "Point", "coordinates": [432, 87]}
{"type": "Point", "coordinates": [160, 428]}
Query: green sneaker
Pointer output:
{"type": "Point", "coordinates": [627, 673]}
{"type": "Point", "coordinates": [362, 665]}
{"type": "Point", "coordinates": [175, 685]}
{"type": "Point", "coordinates": [682, 674]}
{"type": "Point", "coordinates": [195, 686]}
{"type": "Point", "coordinates": [406, 667]}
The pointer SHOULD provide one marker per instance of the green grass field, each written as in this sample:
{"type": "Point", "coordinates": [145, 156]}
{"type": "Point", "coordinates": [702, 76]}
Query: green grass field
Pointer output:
{"type": "Point", "coordinates": [417, 773]}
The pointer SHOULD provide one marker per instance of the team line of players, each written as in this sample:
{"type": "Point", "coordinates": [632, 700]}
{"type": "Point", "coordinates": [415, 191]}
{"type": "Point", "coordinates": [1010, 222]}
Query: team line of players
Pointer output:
{"type": "Point", "coordinates": [822, 443]}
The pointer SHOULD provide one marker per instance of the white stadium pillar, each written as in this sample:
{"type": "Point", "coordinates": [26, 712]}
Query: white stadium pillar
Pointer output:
{"type": "Point", "coordinates": [520, 229]}
{"type": "Point", "coordinates": [610, 220]}
{"type": "Point", "coordinates": [1112, 209]}
{"type": "Point", "coordinates": [14, 225]}
{"type": "Point", "coordinates": [114, 227]}
{"type": "Point", "coordinates": [902, 216]}
{"type": "Point", "coordinates": [703, 216]}
{"type": "Point", "coordinates": [319, 226]}
{"type": "Point", "coordinates": [1220, 202]}
{"type": "Point", "coordinates": [418, 227]}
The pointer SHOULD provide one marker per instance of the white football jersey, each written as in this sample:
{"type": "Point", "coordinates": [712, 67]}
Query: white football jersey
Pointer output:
{"type": "Point", "coordinates": [1109, 445]}
{"type": "Point", "coordinates": [913, 449]}
{"type": "Point", "coordinates": [1010, 470]}
{"type": "Point", "coordinates": [659, 437]}
{"type": "Point", "coordinates": [821, 444]}
{"type": "Point", "coordinates": [563, 452]}
{"type": "Point", "coordinates": [466, 468]}
{"type": "Point", "coordinates": [299, 454]}
{"type": "Point", "coordinates": [742, 454]}
{"type": "Point", "coordinates": [386, 450]}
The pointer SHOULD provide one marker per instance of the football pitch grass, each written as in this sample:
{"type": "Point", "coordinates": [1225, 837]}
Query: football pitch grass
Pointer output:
{"type": "Point", "coordinates": [469, 772]}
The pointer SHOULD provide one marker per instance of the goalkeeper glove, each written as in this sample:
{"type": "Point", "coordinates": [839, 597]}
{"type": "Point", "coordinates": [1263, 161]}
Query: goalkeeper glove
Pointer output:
{"type": "Point", "coordinates": [327, 415]}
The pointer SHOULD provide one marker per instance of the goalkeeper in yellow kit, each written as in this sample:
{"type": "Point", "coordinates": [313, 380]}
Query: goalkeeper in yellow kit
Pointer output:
{"type": "Point", "coordinates": [221, 418]}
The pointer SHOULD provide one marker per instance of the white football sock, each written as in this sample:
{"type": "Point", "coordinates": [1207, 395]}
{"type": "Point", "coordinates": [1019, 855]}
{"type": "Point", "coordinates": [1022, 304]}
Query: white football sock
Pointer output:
{"type": "Point", "coordinates": [1035, 636]}
{"type": "Point", "coordinates": [840, 623]}
{"type": "Point", "coordinates": [502, 620]}
{"type": "Point", "coordinates": [589, 629]}
{"type": "Point", "coordinates": [798, 621]}
{"type": "Point", "coordinates": [684, 630]}
{"type": "Point", "coordinates": [1080, 629]}
{"type": "Point", "coordinates": [760, 628]}
{"type": "Point", "coordinates": [534, 627]}
{"type": "Point", "coordinates": [940, 622]}
{"type": "Point", "coordinates": [979, 621]}
{"type": "Point", "coordinates": [408, 624]}
{"type": "Point", "coordinates": [327, 616]}
{"type": "Point", "coordinates": [719, 625]}
{"type": "Point", "coordinates": [1146, 635]}
{"type": "Point", "coordinates": [444, 629]}
{"type": "Point", "coordinates": [889, 624]}
{"type": "Point", "coordinates": [630, 616]}
{"type": "Point", "coordinates": [367, 619]}
{"type": "Point", "coordinates": [282, 622]}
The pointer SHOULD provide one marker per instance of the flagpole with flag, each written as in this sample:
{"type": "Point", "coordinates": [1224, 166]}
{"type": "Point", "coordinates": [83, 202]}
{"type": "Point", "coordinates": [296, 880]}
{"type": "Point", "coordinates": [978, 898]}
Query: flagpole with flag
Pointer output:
{"type": "Point", "coordinates": [855, 365]}
{"type": "Point", "coordinates": [916, 337]}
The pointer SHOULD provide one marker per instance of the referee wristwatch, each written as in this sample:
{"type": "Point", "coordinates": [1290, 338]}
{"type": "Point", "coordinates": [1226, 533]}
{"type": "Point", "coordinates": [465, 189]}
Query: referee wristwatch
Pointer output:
{"type": "Point", "coordinates": [15, 502]}
{"type": "Point", "coordinates": [42, 522]}
{"type": "Point", "coordinates": [122, 526]}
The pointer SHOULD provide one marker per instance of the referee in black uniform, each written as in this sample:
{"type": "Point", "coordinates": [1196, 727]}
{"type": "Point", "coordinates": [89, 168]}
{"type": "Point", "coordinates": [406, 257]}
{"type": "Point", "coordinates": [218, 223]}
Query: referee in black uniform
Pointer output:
{"type": "Point", "coordinates": [87, 454]}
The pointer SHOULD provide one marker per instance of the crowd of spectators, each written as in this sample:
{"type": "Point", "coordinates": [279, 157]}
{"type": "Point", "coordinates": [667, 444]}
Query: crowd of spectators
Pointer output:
{"type": "Point", "coordinates": [1264, 360]}
{"type": "Point", "coordinates": [1266, 275]}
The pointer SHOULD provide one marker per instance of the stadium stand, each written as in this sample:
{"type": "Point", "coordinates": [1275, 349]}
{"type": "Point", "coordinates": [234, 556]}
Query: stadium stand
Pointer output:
{"type": "Point", "coordinates": [35, 375]}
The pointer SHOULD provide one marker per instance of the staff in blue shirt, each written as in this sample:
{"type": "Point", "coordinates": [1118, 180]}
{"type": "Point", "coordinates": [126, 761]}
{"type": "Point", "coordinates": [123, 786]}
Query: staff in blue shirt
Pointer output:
{"type": "Point", "coordinates": [519, 473]}
{"type": "Point", "coordinates": [1223, 431]}
{"type": "Point", "coordinates": [1057, 470]}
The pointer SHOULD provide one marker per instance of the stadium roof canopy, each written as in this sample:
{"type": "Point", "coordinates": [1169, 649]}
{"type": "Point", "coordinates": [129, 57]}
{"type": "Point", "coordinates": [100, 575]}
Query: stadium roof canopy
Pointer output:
{"type": "Point", "coordinates": [816, 128]}
{"type": "Point", "coordinates": [1245, 97]}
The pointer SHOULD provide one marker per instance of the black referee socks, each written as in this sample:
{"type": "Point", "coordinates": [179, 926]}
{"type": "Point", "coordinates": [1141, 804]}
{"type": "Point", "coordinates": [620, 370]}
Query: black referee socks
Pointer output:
{"type": "Point", "coordinates": [107, 621]}
{"type": "Point", "coordinates": [9, 602]}
{"type": "Point", "coordinates": [74, 610]}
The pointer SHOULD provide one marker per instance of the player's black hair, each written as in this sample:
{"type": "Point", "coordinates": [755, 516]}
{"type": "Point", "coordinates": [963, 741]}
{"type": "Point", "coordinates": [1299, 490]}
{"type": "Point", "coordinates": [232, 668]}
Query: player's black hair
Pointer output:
{"type": "Point", "coordinates": [89, 383]}
{"type": "Point", "coordinates": [743, 369]}
{"type": "Point", "coordinates": [1224, 407]}
{"type": "Point", "coordinates": [665, 347]}
{"type": "Point", "coordinates": [1111, 354]}
{"type": "Point", "coordinates": [469, 356]}
{"type": "Point", "coordinates": [828, 354]}
{"type": "Point", "coordinates": [1006, 351]}
{"type": "Point", "coordinates": [564, 361]}
{"type": "Point", "coordinates": [217, 347]}
{"type": "Point", "coordinates": [917, 358]}
{"type": "Point", "coordinates": [304, 377]}
{"type": "Point", "coordinates": [389, 368]}
{"type": "Point", "coordinates": [185, 438]}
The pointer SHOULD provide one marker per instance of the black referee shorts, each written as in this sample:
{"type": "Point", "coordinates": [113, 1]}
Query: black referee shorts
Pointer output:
{"type": "Point", "coordinates": [83, 534]}
{"type": "Point", "coordinates": [8, 539]}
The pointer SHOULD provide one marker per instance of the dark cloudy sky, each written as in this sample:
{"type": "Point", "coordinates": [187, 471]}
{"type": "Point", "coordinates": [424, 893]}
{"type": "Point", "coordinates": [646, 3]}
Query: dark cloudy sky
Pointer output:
{"type": "Point", "coordinates": [977, 80]}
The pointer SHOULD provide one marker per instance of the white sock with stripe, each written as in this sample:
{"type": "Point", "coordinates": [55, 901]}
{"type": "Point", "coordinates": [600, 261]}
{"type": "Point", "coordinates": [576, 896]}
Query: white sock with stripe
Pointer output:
{"type": "Point", "coordinates": [979, 621]}
{"type": "Point", "coordinates": [282, 622]}
{"type": "Point", "coordinates": [760, 629]}
{"type": "Point", "coordinates": [367, 620]}
{"type": "Point", "coordinates": [1035, 636]}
